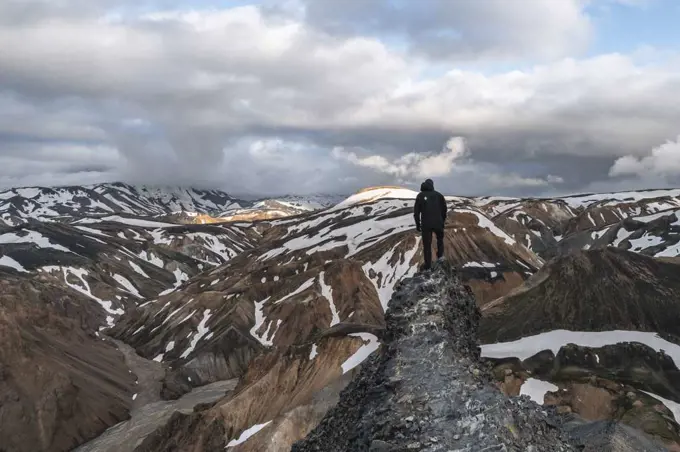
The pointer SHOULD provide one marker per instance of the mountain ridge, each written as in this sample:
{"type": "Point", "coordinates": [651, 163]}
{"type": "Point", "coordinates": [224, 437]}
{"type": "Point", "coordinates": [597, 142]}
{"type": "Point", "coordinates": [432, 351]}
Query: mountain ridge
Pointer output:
{"type": "Point", "coordinates": [595, 282]}
{"type": "Point", "coordinates": [18, 205]}
{"type": "Point", "coordinates": [291, 307]}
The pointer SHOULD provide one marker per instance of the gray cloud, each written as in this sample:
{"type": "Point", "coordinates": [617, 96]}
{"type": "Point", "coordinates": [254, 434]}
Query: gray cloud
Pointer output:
{"type": "Point", "coordinates": [468, 29]}
{"type": "Point", "coordinates": [256, 103]}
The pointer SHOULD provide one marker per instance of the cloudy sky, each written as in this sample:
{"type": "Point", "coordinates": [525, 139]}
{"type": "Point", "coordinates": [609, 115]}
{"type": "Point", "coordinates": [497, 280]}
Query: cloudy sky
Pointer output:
{"type": "Point", "coordinates": [518, 97]}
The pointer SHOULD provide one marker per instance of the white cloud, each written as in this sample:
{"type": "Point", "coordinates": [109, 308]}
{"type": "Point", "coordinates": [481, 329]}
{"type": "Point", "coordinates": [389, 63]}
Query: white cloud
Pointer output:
{"type": "Point", "coordinates": [663, 161]}
{"type": "Point", "coordinates": [413, 164]}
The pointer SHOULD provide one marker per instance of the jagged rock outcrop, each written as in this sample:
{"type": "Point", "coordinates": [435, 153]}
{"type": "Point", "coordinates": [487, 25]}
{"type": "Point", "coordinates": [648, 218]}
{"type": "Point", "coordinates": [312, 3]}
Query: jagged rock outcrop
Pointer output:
{"type": "Point", "coordinates": [424, 390]}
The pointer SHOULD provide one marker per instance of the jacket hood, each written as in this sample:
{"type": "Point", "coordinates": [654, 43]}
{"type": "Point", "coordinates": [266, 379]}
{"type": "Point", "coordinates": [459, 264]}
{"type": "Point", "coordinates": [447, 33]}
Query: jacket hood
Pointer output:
{"type": "Point", "coordinates": [428, 185]}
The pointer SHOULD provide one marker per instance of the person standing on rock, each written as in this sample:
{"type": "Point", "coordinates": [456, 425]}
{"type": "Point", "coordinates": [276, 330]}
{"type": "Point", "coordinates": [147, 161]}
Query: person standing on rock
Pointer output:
{"type": "Point", "coordinates": [430, 215]}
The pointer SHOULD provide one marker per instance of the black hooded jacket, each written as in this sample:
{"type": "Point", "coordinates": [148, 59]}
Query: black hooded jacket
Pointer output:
{"type": "Point", "coordinates": [430, 207]}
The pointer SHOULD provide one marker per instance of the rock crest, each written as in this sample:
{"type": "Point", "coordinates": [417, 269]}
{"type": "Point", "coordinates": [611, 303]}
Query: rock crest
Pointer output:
{"type": "Point", "coordinates": [425, 390]}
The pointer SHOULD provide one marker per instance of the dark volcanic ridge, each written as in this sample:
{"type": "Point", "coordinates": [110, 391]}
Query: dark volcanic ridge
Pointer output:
{"type": "Point", "coordinates": [595, 290]}
{"type": "Point", "coordinates": [425, 390]}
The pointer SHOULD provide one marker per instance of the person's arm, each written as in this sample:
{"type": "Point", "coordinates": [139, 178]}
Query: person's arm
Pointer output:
{"type": "Point", "coordinates": [417, 208]}
{"type": "Point", "coordinates": [443, 207]}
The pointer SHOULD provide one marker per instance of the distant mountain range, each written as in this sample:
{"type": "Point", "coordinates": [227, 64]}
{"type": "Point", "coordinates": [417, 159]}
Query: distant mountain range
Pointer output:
{"type": "Point", "coordinates": [64, 203]}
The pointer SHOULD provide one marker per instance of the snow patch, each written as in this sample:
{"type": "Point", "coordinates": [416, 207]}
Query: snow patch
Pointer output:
{"type": "Point", "coordinates": [536, 389]}
{"type": "Point", "coordinates": [306, 285]}
{"type": "Point", "coordinates": [129, 287]}
{"type": "Point", "coordinates": [479, 265]}
{"type": "Point", "coordinates": [608, 199]}
{"type": "Point", "coordinates": [374, 195]}
{"type": "Point", "coordinates": [674, 407]}
{"type": "Point", "coordinates": [385, 277]}
{"type": "Point", "coordinates": [327, 293]}
{"type": "Point", "coordinates": [93, 231]}
{"type": "Point", "coordinates": [32, 237]}
{"type": "Point", "coordinates": [484, 222]}
{"type": "Point", "coordinates": [247, 434]}
{"type": "Point", "coordinates": [187, 317]}
{"type": "Point", "coordinates": [355, 236]}
{"type": "Point", "coordinates": [159, 238]}
{"type": "Point", "coordinates": [138, 269]}
{"type": "Point", "coordinates": [202, 330]}
{"type": "Point", "coordinates": [9, 262]}
{"type": "Point", "coordinates": [259, 321]}
{"type": "Point", "coordinates": [152, 259]}
{"type": "Point", "coordinates": [646, 241]}
{"type": "Point", "coordinates": [80, 273]}
{"type": "Point", "coordinates": [371, 344]}
{"type": "Point", "coordinates": [554, 340]}
{"type": "Point", "coordinates": [137, 222]}
{"type": "Point", "coordinates": [214, 244]}
{"type": "Point", "coordinates": [180, 277]}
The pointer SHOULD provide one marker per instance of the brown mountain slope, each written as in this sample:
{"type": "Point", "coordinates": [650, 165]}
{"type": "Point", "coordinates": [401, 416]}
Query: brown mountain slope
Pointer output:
{"type": "Point", "coordinates": [595, 290]}
{"type": "Point", "coordinates": [309, 281]}
{"type": "Point", "coordinates": [60, 384]}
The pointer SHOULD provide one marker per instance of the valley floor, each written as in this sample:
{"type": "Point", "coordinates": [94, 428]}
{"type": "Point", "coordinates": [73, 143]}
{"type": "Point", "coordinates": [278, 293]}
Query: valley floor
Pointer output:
{"type": "Point", "coordinates": [149, 412]}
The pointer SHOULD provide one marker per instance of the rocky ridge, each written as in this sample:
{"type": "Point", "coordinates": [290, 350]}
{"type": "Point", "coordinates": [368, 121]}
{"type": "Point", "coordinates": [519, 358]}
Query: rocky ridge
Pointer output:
{"type": "Point", "coordinates": [426, 390]}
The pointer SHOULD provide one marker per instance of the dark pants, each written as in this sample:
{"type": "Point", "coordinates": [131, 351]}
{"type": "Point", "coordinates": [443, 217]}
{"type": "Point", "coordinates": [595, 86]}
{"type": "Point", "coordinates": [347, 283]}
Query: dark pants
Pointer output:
{"type": "Point", "coordinates": [427, 245]}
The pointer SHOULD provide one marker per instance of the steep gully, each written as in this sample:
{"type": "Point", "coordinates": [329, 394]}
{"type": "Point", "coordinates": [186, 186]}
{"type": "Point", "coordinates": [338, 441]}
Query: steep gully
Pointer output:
{"type": "Point", "coordinates": [426, 390]}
